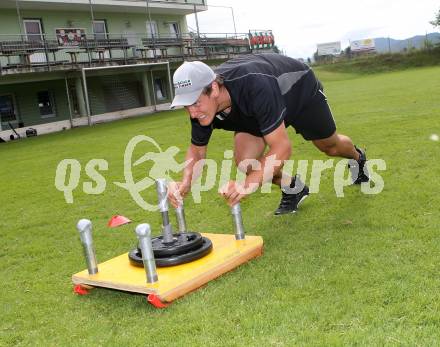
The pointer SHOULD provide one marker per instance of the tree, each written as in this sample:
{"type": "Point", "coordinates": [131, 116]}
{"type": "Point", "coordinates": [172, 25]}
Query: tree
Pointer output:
{"type": "Point", "coordinates": [436, 21]}
{"type": "Point", "coordinates": [316, 57]}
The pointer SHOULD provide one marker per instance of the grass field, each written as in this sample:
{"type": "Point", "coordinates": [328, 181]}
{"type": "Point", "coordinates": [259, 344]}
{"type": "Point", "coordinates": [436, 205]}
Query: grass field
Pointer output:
{"type": "Point", "coordinates": [362, 270]}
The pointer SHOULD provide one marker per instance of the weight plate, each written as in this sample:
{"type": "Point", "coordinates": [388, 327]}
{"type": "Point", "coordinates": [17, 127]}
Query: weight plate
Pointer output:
{"type": "Point", "coordinates": [183, 243]}
{"type": "Point", "coordinates": [135, 256]}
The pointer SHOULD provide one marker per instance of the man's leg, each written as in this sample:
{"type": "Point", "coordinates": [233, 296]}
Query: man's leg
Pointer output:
{"type": "Point", "coordinates": [339, 145]}
{"type": "Point", "coordinates": [248, 147]}
{"type": "Point", "coordinates": [316, 123]}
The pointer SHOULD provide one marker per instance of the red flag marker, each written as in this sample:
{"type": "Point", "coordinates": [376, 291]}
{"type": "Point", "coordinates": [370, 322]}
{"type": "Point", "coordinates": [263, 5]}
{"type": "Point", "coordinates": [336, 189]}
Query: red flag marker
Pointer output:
{"type": "Point", "coordinates": [117, 221]}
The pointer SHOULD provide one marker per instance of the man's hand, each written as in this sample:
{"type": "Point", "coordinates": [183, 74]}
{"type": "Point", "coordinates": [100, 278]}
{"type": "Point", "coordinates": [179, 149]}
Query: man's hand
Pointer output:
{"type": "Point", "coordinates": [176, 193]}
{"type": "Point", "coordinates": [234, 191]}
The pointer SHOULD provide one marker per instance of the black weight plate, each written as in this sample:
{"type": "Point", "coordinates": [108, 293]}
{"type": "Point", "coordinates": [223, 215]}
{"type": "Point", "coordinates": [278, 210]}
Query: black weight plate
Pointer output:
{"type": "Point", "coordinates": [183, 243]}
{"type": "Point", "coordinates": [194, 254]}
{"type": "Point", "coordinates": [135, 256]}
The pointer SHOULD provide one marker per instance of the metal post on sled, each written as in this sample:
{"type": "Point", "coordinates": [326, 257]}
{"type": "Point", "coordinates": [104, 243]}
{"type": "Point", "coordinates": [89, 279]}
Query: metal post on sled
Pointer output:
{"type": "Point", "coordinates": [180, 216]}
{"type": "Point", "coordinates": [84, 227]}
{"type": "Point", "coordinates": [167, 232]}
{"type": "Point", "coordinates": [237, 222]}
{"type": "Point", "coordinates": [143, 233]}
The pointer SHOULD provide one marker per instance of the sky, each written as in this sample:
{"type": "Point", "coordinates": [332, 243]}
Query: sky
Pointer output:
{"type": "Point", "coordinates": [299, 25]}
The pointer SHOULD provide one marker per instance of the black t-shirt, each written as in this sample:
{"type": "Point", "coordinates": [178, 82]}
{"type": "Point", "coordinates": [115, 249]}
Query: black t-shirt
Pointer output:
{"type": "Point", "coordinates": [265, 90]}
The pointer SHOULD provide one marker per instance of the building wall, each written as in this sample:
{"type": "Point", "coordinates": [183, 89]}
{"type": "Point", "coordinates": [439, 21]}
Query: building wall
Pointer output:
{"type": "Point", "coordinates": [27, 103]}
{"type": "Point", "coordinates": [136, 23]}
{"type": "Point", "coordinates": [125, 25]}
{"type": "Point", "coordinates": [9, 24]}
{"type": "Point", "coordinates": [117, 23]}
{"type": "Point", "coordinates": [106, 94]}
{"type": "Point", "coordinates": [109, 93]}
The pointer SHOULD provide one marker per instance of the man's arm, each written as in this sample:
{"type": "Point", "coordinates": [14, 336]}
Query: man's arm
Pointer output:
{"type": "Point", "coordinates": [178, 190]}
{"type": "Point", "coordinates": [280, 149]}
{"type": "Point", "coordinates": [193, 155]}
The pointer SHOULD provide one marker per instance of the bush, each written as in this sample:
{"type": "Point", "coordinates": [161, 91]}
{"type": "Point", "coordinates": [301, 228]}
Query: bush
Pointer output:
{"type": "Point", "coordinates": [386, 62]}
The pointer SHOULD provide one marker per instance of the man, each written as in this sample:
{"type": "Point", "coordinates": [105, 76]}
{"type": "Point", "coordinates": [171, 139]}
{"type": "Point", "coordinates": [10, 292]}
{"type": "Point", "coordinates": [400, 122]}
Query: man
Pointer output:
{"type": "Point", "coordinates": [258, 96]}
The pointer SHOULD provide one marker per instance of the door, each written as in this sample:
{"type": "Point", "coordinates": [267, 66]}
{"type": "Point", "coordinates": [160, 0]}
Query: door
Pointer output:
{"type": "Point", "coordinates": [8, 111]}
{"type": "Point", "coordinates": [152, 30]}
{"type": "Point", "coordinates": [159, 89]}
{"type": "Point", "coordinates": [46, 104]}
{"type": "Point", "coordinates": [152, 33]}
{"type": "Point", "coordinates": [132, 40]}
{"type": "Point", "coordinates": [100, 31]}
{"type": "Point", "coordinates": [34, 34]}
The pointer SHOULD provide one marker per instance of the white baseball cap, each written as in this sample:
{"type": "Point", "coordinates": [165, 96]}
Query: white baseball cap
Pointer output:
{"type": "Point", "coordinates": [189, 81]}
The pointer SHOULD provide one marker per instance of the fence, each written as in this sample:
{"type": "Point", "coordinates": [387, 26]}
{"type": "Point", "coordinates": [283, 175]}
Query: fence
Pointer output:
{"type": "Point", "coordinates": [75, 49]}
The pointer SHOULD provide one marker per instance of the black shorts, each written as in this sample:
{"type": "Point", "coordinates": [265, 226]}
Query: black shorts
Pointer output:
{"type": "Point", "coordinates": [315, 121]}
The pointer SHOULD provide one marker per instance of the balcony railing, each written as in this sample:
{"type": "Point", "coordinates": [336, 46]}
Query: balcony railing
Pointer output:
{"type": "Point", "coordinates": [184, 2]}
{"type": "Point", "coordinates": [22, 53]}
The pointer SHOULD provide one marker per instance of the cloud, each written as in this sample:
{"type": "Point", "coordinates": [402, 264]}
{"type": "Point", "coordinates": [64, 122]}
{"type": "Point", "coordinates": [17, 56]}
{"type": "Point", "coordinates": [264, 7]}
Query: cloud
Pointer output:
{"type": "Point", "coordinates": [362, 33]}
{"type": "Point", "coordinates": [299, 26]}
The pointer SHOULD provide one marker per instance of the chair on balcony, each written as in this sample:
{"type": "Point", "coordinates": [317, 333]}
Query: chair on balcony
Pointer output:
{"type": "Point", "coordinates": [100, 46]}
{"type": "Point", "coordinates": [21, 49]}
{"type": "Point", "coordinates": [204, 44]}
{"type": "Point", "coordinates": [162, 43]}
{"type": "Point", "coordinates": [53, 47]}
{"type": "Point", "coordinates": [217, 45]}
{"type": "Point", "coordinates": [119, 44]}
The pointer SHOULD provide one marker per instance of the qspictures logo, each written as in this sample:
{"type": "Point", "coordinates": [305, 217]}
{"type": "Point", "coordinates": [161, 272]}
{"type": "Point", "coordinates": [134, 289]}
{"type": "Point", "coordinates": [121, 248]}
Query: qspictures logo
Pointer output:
{"type": "Point", "coordinates": [216, 175]}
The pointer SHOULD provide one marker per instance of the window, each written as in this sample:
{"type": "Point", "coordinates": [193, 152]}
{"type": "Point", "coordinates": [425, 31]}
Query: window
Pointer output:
{"type": "Point", "coordinates": [7, 108]}
{"type": "Point", "coordinates": [33, 29]}
{"type": "Point", "coordinates": [174, 29]}
{"type": "Point", "coordinates": [100, 29]}
{"type": "Point", "coordinates": [46, 104]}
{"type": "Point", "coordinates": [160, 90]}
{"type": "Point", "coordinates": [152, 30]}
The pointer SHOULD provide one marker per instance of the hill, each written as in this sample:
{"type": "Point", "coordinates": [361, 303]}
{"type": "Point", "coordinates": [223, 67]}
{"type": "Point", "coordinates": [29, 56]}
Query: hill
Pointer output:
{"type": "Point", "coordinates": [389, 45]}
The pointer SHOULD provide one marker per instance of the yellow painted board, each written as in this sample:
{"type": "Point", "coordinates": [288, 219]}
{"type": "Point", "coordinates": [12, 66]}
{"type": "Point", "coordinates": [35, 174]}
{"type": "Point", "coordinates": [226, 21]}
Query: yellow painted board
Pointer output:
{"type": "Point", "coordinates": [175, 281]}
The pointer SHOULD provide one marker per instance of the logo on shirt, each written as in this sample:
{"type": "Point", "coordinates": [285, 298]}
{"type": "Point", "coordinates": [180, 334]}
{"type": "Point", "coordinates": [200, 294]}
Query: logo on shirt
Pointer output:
{"type": "Point", "coordinates": [182, 84]}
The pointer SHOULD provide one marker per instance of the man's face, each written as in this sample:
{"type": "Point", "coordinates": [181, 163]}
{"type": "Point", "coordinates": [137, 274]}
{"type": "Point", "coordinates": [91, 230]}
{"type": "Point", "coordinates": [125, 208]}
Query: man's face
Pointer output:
{"type": "Point", "coordinates": [204, 109]}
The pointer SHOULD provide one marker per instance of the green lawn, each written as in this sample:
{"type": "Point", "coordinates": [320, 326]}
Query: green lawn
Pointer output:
{"type": "Point", "coordinates": [362, 270]}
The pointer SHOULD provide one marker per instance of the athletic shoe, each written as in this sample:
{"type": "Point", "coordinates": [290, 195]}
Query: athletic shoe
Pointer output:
{"type": "Point", "coordinates": [289, 202]}
{"type": "Point", "coordinates": [359, 171]}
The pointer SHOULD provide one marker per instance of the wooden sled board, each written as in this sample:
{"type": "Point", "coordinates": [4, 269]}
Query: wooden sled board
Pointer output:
{"type": "Point", "coordinates": [175, 281]}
